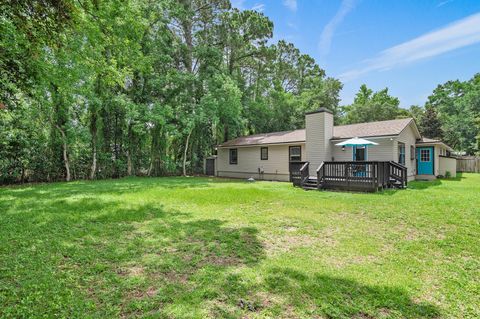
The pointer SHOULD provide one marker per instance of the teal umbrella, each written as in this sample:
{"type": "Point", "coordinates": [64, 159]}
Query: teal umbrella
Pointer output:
{"type": "Point", "coordinates": [356, 141]}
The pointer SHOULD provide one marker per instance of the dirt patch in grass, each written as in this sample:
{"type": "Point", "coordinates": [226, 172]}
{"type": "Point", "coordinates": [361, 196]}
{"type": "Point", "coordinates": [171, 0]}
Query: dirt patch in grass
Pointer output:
{"type": "Point", "coordinates": [132, 271]}
{"type": "Point", "coordinates": [291, 238]}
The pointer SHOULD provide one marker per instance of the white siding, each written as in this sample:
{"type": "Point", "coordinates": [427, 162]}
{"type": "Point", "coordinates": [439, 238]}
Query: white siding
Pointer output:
{"type": "Point", "coordinates": [447, 164]}
{"type": "Point", "coordinates": [381, 152]}
{"type": "Point", "coordinates": [319, 131]}
{"type": "Point", "coordinates": [249, 162]}
{"type": "Point", "coordinates": [409, 138]}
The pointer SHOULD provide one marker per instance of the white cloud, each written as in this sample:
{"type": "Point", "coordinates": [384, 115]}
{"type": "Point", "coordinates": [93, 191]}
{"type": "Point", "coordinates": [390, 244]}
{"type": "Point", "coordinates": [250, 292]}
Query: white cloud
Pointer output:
{"type": "Point", "coordinates": [329, 30]}
{"type": "Point", "coordinates": [459, 34]}
{"type": "Point", "coordinates": [290, 4]}
{"type": "Point", "coordinates": [442, 3]}
{"type": "Point", "coordinates": [259, 7]}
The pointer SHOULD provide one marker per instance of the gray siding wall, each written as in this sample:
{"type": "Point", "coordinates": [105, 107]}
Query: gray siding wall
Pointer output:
{"type": "Point", "coordinates": [319, 131]}
{"type": "Point", "coordinates": [275, 168]}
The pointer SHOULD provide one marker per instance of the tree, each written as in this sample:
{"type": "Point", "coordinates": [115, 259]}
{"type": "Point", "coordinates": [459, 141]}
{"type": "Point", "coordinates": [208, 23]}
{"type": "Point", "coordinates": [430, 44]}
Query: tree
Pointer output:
{"type": "Point", "coordinates": [371, 106]}
{"type": "Point", "coordinates": [430, 124]}
{"type": "Point", "coordinates": [111, 89]}
{"type": "Point", "coordinates": [458, 106]}
{"type": "Point", "coordinates": [26, 28]}
{"type": "Point", "coordinates": [417, 112]}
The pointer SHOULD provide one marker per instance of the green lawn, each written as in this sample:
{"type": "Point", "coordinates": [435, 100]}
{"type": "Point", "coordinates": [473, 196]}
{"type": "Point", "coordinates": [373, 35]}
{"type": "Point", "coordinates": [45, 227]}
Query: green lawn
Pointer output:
{"type": "Point", "coordinates": [199, 247]}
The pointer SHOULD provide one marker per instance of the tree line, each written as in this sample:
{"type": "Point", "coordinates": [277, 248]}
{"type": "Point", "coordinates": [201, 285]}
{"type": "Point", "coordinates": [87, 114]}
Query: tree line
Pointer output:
{"type": "Point", "coordinates": [96, 89]}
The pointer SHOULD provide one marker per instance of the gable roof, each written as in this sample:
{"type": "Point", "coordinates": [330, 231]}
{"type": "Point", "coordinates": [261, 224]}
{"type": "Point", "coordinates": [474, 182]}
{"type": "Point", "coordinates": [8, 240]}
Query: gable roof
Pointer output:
{"type": "Point", "coordinates": [371, 129]}
{"type": "Point", "coordinates": [381, 128]}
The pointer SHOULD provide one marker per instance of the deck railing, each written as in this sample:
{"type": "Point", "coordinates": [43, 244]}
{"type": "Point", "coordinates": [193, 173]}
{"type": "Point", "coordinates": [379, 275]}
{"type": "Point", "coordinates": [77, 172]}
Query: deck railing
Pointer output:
{"type": "Point", "coordinates": [295, 174]}
{"type": "Point", "coordinates": [363, 176]}
{"type": "Point", "coordinates": [304, 173]}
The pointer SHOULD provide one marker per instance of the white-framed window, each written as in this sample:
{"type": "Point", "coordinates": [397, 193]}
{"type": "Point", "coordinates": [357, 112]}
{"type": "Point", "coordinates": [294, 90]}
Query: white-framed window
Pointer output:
{"type": "Point", "coordinates": [295, 153]}
{"type": "Point", "coordinates": [425, 155]}
{"type": "Point", "coordinates": [264, 153]}
{"type": "Point", "coordinates": [401, 153]}
{"type": "Point", "coordinates": [233, 155]}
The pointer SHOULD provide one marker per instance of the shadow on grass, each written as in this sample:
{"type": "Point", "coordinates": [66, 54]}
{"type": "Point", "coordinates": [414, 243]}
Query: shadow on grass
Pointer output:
{"type": "Point", "coordinates": [335, 297]}
{"type": "Point", "coordinates": [96, 258]}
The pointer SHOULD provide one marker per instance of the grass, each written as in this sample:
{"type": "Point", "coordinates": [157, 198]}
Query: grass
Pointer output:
{"type": "Point", "coordinates": [199, 247]}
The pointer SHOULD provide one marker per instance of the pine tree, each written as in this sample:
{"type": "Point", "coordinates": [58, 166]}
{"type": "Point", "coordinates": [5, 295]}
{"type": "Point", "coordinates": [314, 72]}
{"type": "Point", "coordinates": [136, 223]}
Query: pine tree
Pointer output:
{"type": "Point", "coordinates": [430, 123]}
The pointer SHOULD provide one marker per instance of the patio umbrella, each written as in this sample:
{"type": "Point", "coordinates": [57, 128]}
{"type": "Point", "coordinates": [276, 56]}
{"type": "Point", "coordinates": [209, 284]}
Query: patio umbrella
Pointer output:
{"type": "Point", "coordinates": [356, 141]}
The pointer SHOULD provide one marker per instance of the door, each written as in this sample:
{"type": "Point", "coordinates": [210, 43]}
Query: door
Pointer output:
{"type": "Point", "coordinates": [359, 155]}
{"type": "Point", "coordinates": [425, 160]}
{"type": "Point", "coordinates": [210, 167]}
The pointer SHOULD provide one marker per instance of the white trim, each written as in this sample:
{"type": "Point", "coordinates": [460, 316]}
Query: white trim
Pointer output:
{"type": "Point", "coordinates": [433, 144]}
{"type": "Point", "coordinates": [416, 128]}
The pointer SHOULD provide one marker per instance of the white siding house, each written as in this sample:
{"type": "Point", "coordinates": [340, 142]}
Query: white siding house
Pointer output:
{"type": "Point", "coordinates": [268, 156]}
{"type": "Point", "coordinates": [250, 164]}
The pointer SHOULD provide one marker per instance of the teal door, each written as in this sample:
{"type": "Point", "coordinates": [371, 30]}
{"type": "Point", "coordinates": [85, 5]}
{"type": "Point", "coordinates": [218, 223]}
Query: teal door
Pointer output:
{"type": "Point", "coordinates": [425, 160]}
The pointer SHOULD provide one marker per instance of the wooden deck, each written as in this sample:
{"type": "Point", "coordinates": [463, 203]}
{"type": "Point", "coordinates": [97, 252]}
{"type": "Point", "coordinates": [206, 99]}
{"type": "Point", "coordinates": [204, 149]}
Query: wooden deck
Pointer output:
{"type": "Point", "coordinates": [367, 176]}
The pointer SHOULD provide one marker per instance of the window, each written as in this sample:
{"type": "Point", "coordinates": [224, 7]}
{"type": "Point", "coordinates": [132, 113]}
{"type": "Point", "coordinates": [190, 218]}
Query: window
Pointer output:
{"type": "Point", "coordinates": [295, 153]}
{"type": "Point", "coordinates": [264, 153]}
{"type": "Point", "coordinates": [360, 153]}
{"type": "Point", "coordinates": [233, 156]}
{"type": "Point", "coordinates": [401, 153]}
{"type": "Point", "coordinates": [425, 155]}
{"type": "Point", "coordinates": [412, 152]}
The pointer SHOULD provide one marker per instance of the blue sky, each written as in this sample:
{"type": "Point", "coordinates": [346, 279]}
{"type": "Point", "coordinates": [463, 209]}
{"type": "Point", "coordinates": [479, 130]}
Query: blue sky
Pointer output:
{"type": "Point", "coordinates": [409, 46]}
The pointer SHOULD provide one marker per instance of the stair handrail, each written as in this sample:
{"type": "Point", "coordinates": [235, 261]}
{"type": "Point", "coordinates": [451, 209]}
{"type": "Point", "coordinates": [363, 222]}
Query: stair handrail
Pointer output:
{"type": "Point", "coordinates": [320, 174]}
{"type": "Point", "coordinates": [403, 172]}
{"type": "Point", "coordinates": [304, 173]}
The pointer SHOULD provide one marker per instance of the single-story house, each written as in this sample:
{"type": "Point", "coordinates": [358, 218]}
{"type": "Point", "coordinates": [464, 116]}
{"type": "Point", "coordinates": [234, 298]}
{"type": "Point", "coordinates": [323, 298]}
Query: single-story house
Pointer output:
{"type": "Point", "coordinates": [268, 156]}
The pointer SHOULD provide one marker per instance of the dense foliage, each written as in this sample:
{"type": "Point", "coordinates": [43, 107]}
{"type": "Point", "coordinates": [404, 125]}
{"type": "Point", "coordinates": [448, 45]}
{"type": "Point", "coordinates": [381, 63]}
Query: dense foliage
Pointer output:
{"type": "Point", "coordinates": [371, 106]}
{"type": "Point", "coordinates": [98, 89]}
{"type": "Point", "coordinates": [102, 89]}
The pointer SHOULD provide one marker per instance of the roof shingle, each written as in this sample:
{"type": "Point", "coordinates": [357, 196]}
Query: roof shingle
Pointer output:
{"type": "Point", "coordinates": [268, 138]}
{"type": "Point", "coordinates": [382, 128]}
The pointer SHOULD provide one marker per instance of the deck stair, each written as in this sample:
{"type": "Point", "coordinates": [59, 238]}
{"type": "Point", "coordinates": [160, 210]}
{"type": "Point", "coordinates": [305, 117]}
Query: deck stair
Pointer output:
{"type": "Point", "coordinates": [310, 183]}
